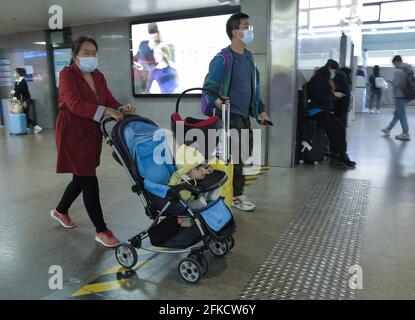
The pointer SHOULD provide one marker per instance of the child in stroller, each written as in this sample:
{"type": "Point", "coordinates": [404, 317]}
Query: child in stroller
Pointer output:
{"type": "Point", "coordinates": [192, 170]}
{"type": "Point", "coordinates": [141, 147]}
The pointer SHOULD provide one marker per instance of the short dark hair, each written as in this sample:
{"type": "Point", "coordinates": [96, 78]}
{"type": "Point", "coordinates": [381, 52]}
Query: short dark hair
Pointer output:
{"type": "Point", "coordinates": [78, 42]}
{"type": "Point", "coordinates": [397, 59]}
{"type": "Point", "coordinates": [21, 71]}
{"type": "Point", "coordinates": [152, 28]}
{"type": "Point", "coordinates": [332, 64]}
{"type": "Point", "coordinates": [234, 21]}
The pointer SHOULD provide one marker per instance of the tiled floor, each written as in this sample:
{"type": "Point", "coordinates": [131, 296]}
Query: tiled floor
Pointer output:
{"type": "Point", "coordinates": [32, 241]}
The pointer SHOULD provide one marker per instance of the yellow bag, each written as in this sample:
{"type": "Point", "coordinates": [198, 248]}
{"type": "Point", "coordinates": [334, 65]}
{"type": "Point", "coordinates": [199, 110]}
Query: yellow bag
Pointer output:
{"type": "Point", "coordinates": [227, 188]}
{"type": "Point", "coordinates": [16, 106]}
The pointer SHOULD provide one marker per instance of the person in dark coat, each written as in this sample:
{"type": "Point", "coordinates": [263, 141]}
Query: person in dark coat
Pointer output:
{"type": "Point", "coordinates": [321, 96]}
{"type": "Point", "coordinates": [341, 84]}
{"type": "Point", "coordinates": [21, 92]}
{"type": "Point", "coordinates": [84, 100]}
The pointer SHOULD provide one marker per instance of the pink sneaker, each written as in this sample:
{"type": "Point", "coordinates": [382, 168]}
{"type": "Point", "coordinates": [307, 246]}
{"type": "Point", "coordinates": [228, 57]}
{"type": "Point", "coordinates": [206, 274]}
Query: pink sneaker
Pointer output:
{"type": "Point", "coordinates": [64, 219]}
{"type": "Point", "coordinates": [107, 239]}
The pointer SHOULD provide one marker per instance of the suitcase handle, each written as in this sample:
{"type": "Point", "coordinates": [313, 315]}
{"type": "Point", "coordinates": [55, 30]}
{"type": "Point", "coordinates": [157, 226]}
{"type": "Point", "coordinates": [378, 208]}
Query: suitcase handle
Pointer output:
{"type": "Point", "coordinates": [216, 94]}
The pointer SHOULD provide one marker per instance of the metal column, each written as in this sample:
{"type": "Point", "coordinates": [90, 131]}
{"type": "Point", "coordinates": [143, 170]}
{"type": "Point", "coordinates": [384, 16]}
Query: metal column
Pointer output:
{"type": "Point", "coordinates": [282, 81]}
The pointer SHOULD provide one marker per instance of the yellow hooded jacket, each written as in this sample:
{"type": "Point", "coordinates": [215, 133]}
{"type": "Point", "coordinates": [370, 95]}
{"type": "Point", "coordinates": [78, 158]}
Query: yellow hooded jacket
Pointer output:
{"type": "Point", "coordinates": [187, 158]}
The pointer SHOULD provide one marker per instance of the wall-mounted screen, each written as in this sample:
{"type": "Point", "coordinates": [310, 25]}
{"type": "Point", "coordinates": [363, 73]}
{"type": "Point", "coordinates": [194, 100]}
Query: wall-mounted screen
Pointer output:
{"type": "Point", "coordinates": [172, 56]}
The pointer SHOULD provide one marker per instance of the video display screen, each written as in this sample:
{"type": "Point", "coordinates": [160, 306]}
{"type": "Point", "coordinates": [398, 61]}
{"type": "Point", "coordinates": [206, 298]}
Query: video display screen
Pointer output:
{"type": "Point", "coordinates": [172, 56]}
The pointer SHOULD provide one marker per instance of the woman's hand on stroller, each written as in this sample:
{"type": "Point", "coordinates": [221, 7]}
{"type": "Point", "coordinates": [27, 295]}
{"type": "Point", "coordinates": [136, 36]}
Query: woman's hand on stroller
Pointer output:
{"type": "Point", "coordinates": [220, 101]}
{"type": "Point", "coordinates": [128, 109]}
{"type": "Point", "coordinates": [115, 114]}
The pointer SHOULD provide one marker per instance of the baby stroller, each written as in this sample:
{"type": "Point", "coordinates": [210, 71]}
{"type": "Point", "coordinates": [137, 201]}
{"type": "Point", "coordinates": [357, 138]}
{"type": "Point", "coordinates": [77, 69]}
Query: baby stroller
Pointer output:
{"type": "Point", "coordinates": [140, 146]}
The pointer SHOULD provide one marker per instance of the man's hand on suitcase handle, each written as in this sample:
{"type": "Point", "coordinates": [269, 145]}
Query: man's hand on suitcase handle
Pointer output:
{"type": "Point", "coordinates": [220, 101]}
{"type": "Point", "coordinates": [264, 119]}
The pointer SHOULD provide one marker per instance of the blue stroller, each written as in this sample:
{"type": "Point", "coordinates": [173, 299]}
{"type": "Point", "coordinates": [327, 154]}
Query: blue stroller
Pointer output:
{"type": "Point", "coordinates": [141, 147]}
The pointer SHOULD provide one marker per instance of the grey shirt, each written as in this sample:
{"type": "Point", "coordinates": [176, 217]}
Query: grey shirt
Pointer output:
{"type": "Point", "coordinates": [399, 79]}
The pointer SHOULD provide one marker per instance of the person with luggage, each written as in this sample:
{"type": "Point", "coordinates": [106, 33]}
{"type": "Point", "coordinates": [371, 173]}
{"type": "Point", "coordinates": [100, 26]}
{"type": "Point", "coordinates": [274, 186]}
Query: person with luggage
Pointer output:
{"type": "Point", "coordinates": [21, 92]}
{"type": "Point", "coordinates": [84, 100]}
{"type": "Point", "coordinates": [321, 96]}
{"type": "Point", "coordinates": [233, 73]}
{"type": "Point", "coordinates": [341, 84]}
{"type": "Point", "coordinates": [375, 92]}
{"type": "Point", "coordinates": [399, 83]}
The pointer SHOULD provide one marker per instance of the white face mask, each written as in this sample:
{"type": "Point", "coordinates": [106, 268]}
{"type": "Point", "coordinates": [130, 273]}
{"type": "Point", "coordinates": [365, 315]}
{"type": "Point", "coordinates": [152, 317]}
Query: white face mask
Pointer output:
{"type": "Point", "coordinates": [88, 64]}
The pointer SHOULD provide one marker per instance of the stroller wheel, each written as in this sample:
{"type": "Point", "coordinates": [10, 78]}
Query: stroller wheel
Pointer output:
{"type": "Point", "coordinates": [126, 255]}
{"type": "Point", "coordinates": [204, 263]}
{"type": "Point", "coordinates": [190, 270]}
{"type": "Point", "coordinates": [218, 248]}
{"type": "Point", "coordinates": [231, 242]}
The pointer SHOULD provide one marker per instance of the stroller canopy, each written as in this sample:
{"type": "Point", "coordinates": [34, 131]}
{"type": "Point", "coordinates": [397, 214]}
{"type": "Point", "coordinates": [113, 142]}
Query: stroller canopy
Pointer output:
{"type": "Point", "coordinates": [148, 146]}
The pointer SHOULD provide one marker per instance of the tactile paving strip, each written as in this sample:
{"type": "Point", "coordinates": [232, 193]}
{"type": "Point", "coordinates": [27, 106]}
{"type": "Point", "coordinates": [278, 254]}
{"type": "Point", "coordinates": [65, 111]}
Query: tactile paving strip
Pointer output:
{"type": "Point", "coordinates": [311, 259]}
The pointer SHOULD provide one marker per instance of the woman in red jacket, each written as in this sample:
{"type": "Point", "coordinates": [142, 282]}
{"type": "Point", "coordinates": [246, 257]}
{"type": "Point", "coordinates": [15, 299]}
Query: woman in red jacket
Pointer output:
{"type": "Point", "coordinates": [84, 100]}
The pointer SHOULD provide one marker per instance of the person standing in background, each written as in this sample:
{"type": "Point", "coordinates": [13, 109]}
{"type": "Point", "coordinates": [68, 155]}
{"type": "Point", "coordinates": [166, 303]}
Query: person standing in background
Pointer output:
{"type": "Point", "coordinates": [341, 84]}
{"type": "Point", "coordinates": [21, 92]}
{"type": "Point", "coordinates": [375, 92]}
{"type": "Point", "coordinates": [399, 82]}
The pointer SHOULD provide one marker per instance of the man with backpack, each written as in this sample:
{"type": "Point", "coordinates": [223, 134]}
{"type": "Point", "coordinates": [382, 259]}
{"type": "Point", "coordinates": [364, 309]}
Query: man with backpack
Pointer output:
{"type": "Point", "coordinates": [233, 74]}
{"type": "Point", "coordinates": [404, 90]}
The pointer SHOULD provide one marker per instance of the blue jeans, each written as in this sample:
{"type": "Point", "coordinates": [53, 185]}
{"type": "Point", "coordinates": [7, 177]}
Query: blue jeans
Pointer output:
{"type": "Point", "coordinates": [400, 114]}
{"type": "Point", "coordinates": [375, 96]}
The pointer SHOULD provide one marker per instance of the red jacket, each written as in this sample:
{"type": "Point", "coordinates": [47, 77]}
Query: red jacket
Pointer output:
{"type": "Point", "coordinates": [78, 136]}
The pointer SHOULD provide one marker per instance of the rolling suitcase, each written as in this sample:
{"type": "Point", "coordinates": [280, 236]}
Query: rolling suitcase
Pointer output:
{"type": "Point", "coordinates": [223, 160]}
{"type": "Point", "coordinates": [314, 141]}
{"type": "Point", "coordinates": [17, 123]}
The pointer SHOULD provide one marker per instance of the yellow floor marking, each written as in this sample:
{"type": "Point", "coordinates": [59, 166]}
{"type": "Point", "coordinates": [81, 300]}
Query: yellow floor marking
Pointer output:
{"type": "Point", "coordinates": [251, 177]}
{"type": "Point", "coordinates": [100, 287]}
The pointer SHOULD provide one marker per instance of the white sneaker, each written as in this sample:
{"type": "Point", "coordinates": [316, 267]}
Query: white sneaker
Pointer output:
{"type": "Point", "coordinates": [377, 111]}
{"type": "Point", "coordinates": [242, 203]}
{"type": "Point", "coordinates": [403, 136]}
{"type": "Point", "coordinates": [386, 131]}
{"type": "Point", "coordinates": [371, 111]}
{"type": "Point", "coordinates": [38, 129]}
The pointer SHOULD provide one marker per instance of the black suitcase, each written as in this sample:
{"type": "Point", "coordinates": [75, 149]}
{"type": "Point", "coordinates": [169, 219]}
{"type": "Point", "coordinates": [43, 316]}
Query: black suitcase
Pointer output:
{"type": "Point", "coordinates": [314, 142]}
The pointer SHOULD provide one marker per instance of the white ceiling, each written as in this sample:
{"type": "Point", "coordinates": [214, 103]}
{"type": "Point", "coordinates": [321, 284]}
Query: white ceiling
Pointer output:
{"type": "Point", "coordinates": [23, 16]}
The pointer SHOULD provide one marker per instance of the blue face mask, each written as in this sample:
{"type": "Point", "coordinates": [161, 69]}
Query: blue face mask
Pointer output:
{"type": "Point", "coordinates": [332, 75]}
{"type": "Point", "coordinates": [88, 64]}
{"type": "Point", "coordinates": [248, 36]}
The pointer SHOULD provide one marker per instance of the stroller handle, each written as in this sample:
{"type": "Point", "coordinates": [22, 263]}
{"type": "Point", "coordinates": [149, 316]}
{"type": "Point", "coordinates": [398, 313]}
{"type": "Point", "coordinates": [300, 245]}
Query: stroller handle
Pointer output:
{"type": "Point", "coordinates": [108, 120]}
{"type": "Point", "coordinates": [198, 89]}
{"type": "Point", "coordinates": [104, 126]}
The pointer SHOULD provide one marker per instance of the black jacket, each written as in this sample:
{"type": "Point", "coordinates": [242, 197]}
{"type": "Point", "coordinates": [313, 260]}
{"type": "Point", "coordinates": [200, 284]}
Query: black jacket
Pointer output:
{"type": "Point", "coordinates": [21, 90]}
{"type": "Point", "coordinates": [342, 82]}
{"type": "Point", "coordinates": [320, 94]}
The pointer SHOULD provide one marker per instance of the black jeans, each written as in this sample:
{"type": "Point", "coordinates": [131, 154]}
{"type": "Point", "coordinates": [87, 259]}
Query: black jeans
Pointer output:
{"type": "Point", "coordinates": [341, 109]}
{"type": "Point", "coordinates": [30, 121]}
{"type": "Point", "coordinates": [335, 130]}
{"type": "Point", "coordinates": [239, 122]}
{"type": "Point", "coordinates": [89, 187]}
